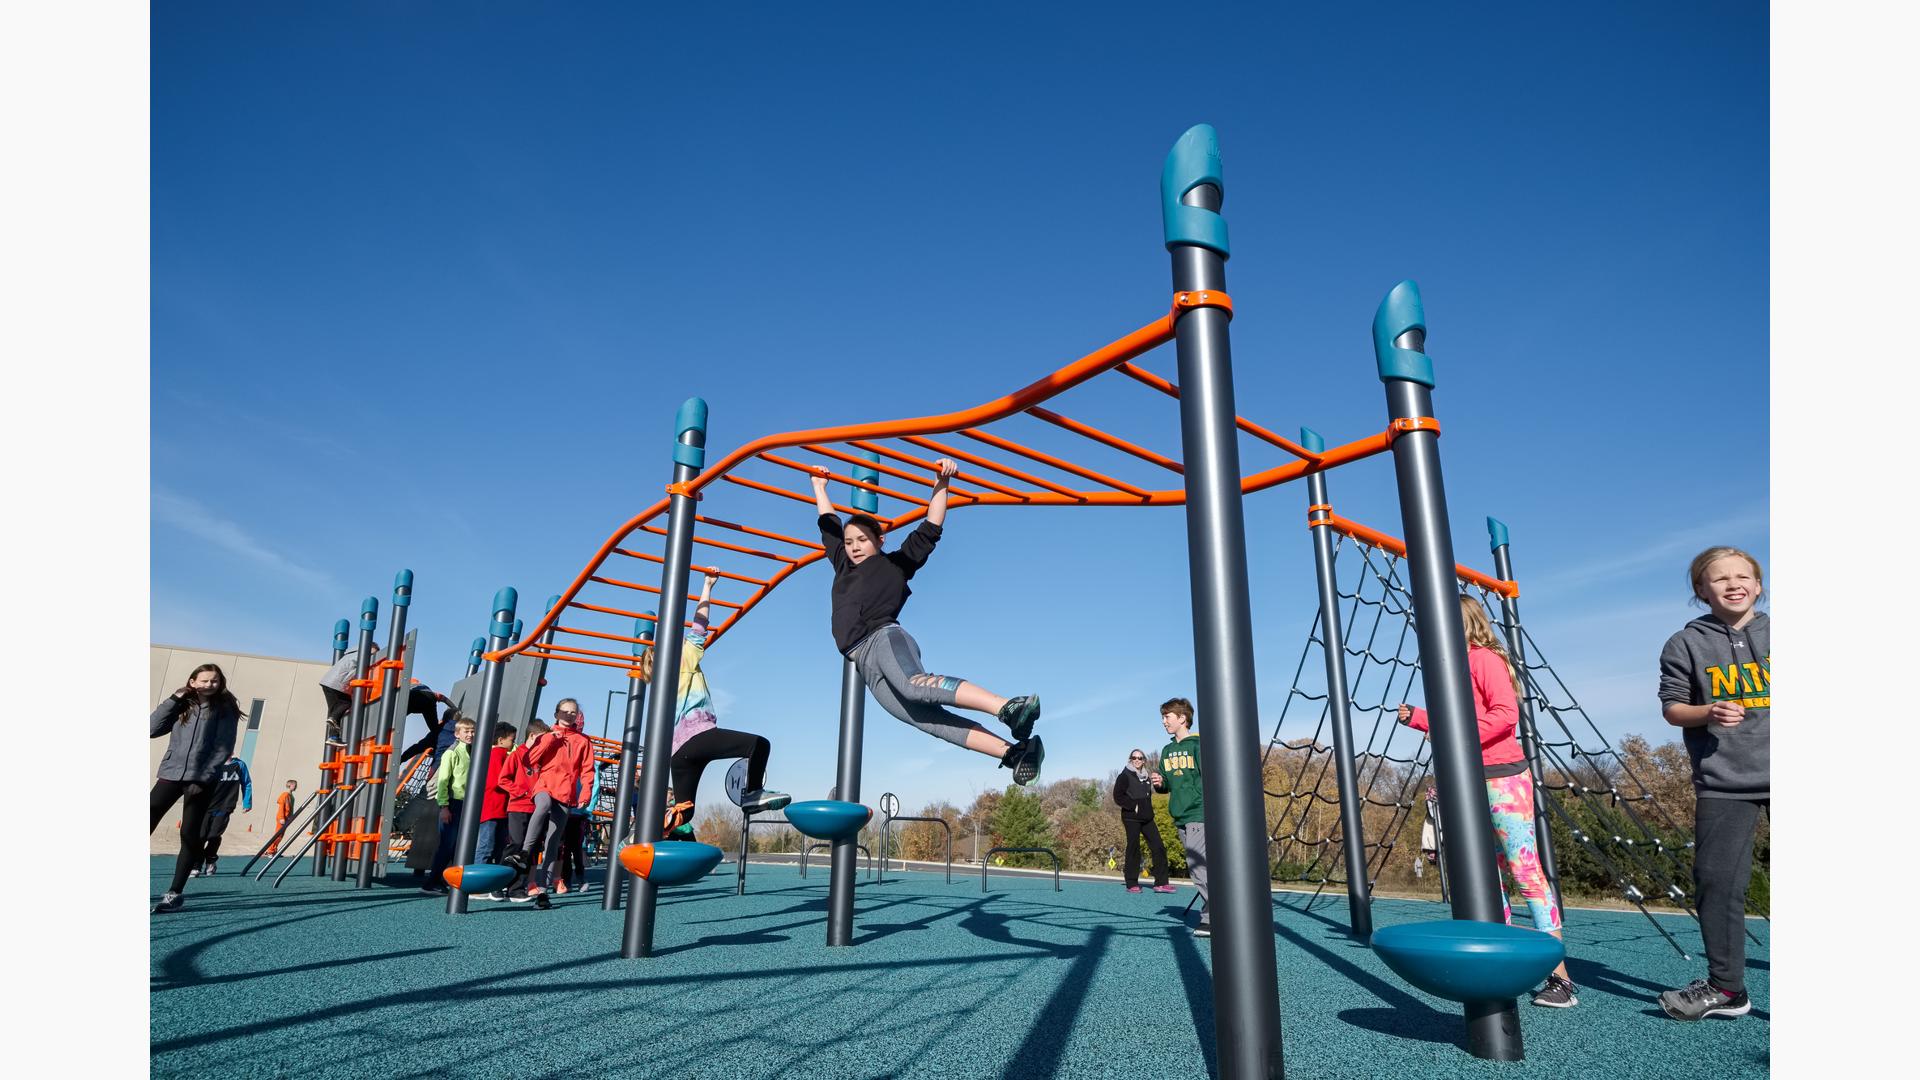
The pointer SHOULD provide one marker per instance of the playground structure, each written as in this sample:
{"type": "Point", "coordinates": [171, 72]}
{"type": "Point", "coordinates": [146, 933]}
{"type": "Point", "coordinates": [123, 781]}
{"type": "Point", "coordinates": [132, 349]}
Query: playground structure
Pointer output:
{"type": "Point", "coordinates": [868, 458]}
{"type": "Point", "coordinates": [1368, 620]}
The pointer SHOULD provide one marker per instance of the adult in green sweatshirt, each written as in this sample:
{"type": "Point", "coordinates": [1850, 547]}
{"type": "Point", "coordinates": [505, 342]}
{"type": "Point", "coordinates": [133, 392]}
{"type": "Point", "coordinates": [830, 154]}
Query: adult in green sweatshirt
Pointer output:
{"type": "Point", "coordinates": [1179, 777]}
{"type": "Point", "coordinates": [1716, 685]}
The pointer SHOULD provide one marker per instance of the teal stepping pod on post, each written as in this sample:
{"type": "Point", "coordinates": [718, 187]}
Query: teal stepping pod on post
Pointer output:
{"type": "Point", "coordinates": [1468, 961]}
{"type": "Point", "coordinates": [826, 819]}
{"type": "Point", "coordinates": [478, 878]}
{"type": "Point", "coordinates": [670, 862]}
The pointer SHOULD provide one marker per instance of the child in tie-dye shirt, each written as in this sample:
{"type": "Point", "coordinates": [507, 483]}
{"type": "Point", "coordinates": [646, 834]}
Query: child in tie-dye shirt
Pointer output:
{"type": "Point", "coordinates": [1496, 710]}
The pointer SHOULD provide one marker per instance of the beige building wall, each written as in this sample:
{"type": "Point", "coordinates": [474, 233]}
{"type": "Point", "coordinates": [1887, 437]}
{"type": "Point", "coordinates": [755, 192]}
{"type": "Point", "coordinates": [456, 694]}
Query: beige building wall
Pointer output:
{"type": "Point", "coordinates": [286, 746]}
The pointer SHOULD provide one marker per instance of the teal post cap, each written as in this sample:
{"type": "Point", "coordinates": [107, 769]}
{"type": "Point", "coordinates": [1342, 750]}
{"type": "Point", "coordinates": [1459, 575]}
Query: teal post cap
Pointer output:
{"type": "Point", "coordinates": [691, 417]}
{"type": "Point", "coordinates": [341, 627]}
{"type": "Point", "coordinates": [1400, 312]}
{"type": "Point", "coordinates": [403, 588]}
{"type": "Point", "coordinates": [506, 600]}
{"type": "Point", "coordinates": [369, 613]}
{"type": "Point", "coordinates": [553, 601]}
{"type": "Point", "coordinates": [1311, 439]}
{"type": "Point", "coordinates": [479, 646]}
{"type": "Point", "coordinates": [642, 629]}
{"type": "Point", "coordinates": [517, 624]}
{"type": "Point", "coordinates": [1194, 160]}
{"type": "Point", "coordinates": [1496, 534]}
{"type": "Point", "coordinates": [1468, 961]}
{"type": "Point", "coordinates": [864, 500]}
{"type": "Point", "coordinates": [828, 819]}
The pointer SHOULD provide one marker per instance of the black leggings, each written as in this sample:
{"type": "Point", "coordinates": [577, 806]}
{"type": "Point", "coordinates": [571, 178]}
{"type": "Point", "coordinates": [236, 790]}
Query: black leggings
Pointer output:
{"type": "Point", "coordinates": [193, 822]}
{"type": "Point", "coordinates": [1135, 828]}
{"type": "Point", "coordinates": [715, 744]}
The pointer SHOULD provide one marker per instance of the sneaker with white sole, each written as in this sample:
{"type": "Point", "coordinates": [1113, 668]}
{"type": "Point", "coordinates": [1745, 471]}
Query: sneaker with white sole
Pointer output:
{"type": "Point", "coordinates": [1020, 714]}
{"type": "Point", "coordinates": [169, 901]}
{"type": "Point", "coordinates": [1700, 999]}
{"type": "Point", "coordinates": [1557, 994]}
{"type": "Point", "coordinates": [761, 800]}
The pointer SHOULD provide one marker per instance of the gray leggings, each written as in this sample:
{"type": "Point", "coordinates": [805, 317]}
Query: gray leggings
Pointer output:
{"type": "Point", "coordinates": [889, 659]}
{"type": "Point", "coordinates": [546, 828]}
{"type": "Point", "coordinates": [1722, 869]}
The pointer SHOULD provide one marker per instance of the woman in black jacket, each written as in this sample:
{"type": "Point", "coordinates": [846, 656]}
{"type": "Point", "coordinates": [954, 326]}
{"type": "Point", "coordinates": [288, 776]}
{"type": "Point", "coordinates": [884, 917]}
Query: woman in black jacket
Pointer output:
{"type": "Point", "coordinates": [1133, 793]}
{"type": "Point", "coordinates": [203, 720]}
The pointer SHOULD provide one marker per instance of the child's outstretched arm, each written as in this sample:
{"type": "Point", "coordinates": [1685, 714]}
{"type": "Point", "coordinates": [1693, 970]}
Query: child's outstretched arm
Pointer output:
{"type": "Point", "coordinates": [937, 506]}
{"type": "Point", "coordinates": [703, 611]}
{"type": "Point", "coordinates": [820, 501]}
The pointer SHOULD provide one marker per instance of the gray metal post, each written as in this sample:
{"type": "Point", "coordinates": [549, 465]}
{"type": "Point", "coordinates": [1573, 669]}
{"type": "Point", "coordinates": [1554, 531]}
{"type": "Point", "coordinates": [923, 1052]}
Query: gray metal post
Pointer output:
{"type": "Point", "coordinates": [499, 636]}
{"type": "Point", "coordinates": [1399, 343]}
{"type": "Point", "coordinates": [1245, 982]}
{"type": "Point", "coordinates": [630, 737]}
{"type": "Point", "coordinates": [846, 787]}
{"type": "Point", "coordinates": [354, 731]}
{"type": "Point", "coordinates": [689, 456]}
{"type": "Point", "coordinates": [473, 656]}
{"type": "Point", "coordinates": [540, 664]}
{"type": "Point", "coordinates": [1529, 734]}
{"type": "Point", "coordinates": [1339, 707]}
{"type": "Point", "coordinates": [328, 781]}
{"type": "Point", "coordinates": [391, 697]}
{"type": "Point", "coordinates": [846, 776]}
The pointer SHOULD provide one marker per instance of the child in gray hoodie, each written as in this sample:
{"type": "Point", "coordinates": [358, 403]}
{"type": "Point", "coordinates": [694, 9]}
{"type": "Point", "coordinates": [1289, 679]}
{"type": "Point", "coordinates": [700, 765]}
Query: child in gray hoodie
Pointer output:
{"type": "Point", "coordinates": [1716, 684]}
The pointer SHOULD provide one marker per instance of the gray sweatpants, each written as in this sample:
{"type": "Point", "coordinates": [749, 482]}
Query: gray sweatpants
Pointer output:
{"type": "Point", "coordinates": [1722, 868]}
{"type": "Point", "coordinates": [546, 828]}
{"type": "Point", "coordinates": [888, 659]}
{"type": "Point", "coordinates": [1194, 838]}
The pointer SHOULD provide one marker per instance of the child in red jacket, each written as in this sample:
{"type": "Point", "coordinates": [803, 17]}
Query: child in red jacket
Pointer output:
{"type": "Point", "coordinates": [516, 781]}
{"type": "Point", "coordinates": [493, 803]}
{"type": "Point", "coordinates": [562, 763]}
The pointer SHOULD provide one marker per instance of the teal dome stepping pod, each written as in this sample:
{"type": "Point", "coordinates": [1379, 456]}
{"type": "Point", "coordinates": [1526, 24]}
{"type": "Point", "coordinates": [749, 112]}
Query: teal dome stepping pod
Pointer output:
{"type": "Point", "coordinates": [1468, 961]}
{"type": "Point", "coordinates": [670, 862]}
{"type": "Point", "coordinates": [478, 878]}
{"type": "Point", "coordinates": [826, 819]}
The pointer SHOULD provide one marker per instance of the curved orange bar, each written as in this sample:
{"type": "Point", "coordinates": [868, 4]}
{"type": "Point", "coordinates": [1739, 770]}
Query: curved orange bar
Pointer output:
{"type": "Point", "coordinates": [1379, 539]}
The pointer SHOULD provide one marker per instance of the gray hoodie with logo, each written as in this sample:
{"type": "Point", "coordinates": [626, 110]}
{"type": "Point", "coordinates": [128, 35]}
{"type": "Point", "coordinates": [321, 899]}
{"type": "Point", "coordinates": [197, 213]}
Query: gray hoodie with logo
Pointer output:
{"type": "Point", "coordinates": [1709, 661]}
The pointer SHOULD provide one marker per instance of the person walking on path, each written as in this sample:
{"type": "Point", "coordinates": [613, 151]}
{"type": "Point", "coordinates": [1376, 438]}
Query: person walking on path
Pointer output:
{"type": "Point", "coordinates": [202, 722]}
{"type": "Point", "coordinates": [1133, 793]}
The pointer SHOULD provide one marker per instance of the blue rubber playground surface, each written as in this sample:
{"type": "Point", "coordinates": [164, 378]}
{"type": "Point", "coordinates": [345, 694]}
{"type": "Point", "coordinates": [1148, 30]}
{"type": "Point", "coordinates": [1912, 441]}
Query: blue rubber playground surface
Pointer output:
{"type": "Point", "coordinates": [317, 979]}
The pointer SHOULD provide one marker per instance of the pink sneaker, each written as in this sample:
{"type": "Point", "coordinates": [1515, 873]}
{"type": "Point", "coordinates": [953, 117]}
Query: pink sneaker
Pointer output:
{"type": "Point", "coordinates": [1165, 888]}
{"type": "Point", "coordinates": [1133, 888]}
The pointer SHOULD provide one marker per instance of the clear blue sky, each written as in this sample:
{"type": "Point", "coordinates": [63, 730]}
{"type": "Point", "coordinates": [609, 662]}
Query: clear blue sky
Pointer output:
{"type": "Point", "coordinates": [429, 281]}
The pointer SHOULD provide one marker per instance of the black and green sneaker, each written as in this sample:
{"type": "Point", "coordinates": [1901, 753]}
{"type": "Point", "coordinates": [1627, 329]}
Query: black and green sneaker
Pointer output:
{"type": "Point", "coordinates": [1020, 714]}
{"type": "Point", "coordinates": [1024, 758]}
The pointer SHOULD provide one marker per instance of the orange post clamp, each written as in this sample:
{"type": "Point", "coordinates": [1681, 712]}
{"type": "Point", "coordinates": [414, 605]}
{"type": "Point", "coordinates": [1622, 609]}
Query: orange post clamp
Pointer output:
{"type": "Point", "coordinates": [1184, 302]}
{"type": "Point", "coordinates": [1314, 523]}
{"type": "Point", "coordinates": [1409, 424]}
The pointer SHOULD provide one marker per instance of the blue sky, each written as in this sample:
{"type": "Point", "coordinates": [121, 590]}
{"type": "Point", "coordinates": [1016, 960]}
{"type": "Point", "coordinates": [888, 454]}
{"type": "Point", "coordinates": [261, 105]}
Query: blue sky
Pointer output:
{"type": "Point", "coordinates": [429, 282]}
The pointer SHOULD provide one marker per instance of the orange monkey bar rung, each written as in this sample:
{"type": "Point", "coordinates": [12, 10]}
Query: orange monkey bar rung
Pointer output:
{"type": "Point", "coordinates": [631, 661]}
{"type": "Point", "coordinates": [655, 589]}
{"type": "Point", "coordinates": [841, 455]}
{"type": "Point", "coordinates": [1148, 378]}
{"type": "Point", "coordinates": [1048, 459]}
{"type": "Point", "coordinates": [722, 544]}
{"type": "Point", "coordinates": [1105, 439]}
{"type": "Point", "coordinates": [985, 463]}
{"type": "Point", "coordinates": [657, 559]}
{"type": "Point", "coordinates": [810, 545]}
{"type": "Point", "coordinates": [796, 496]}
{"type": "Point", "coordinates": [889, 452]}
{"type": "Point", "coordinates": [875, 488]}
{"type": "Point", "coordinates": [540, 654]}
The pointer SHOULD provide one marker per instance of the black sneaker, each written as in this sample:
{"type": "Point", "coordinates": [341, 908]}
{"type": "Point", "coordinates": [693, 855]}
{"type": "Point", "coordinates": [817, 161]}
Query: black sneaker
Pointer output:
{"type": "Point", "coordinates": [519, 896]}
{"type": "Point", "coordinates": [761, 800]}
{"type": "Point", "coordinates": [1557, 994]}
{"type": "Point", "coordinates": [1698, 1000]}
{"type": "Point", "coordinates": [1020, 714]}
{"type": "Point", "coordinates": [169, 901]}
{"type": "Point", "coordinates": [211, 865]}
{"type": "Point", "coordinates": [1024, 758]}
{"type": "Point", "coordinates": [542, 901]}
{"type": "Point", "coordinates": [435, 889]}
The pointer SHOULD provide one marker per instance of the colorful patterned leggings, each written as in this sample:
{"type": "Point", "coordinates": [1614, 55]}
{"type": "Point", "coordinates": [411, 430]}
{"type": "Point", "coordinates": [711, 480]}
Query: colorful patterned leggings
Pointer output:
{"type": "Point", "coordinates": [1511, 798]}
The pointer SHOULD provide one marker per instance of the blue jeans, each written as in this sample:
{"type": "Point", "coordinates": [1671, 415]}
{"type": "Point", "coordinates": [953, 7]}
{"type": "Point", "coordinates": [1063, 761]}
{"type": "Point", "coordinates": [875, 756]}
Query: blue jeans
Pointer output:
{"type": "Point", "coordinates": [483, 847]}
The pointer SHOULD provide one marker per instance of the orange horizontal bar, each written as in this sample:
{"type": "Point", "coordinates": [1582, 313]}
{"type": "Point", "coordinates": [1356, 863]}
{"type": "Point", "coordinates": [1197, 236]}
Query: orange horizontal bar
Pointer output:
{"type": "Point", "coordinates": [1149, 378]}
{"type": "Point", "coordinates": [810, 545]}
{"type": "Point", "coordinates": [986, 463]}
{"type": "Point", "coordinates": [1399, 547]}
{"type": "Point", "coordinates": [841, 455]}
{"type": "Point", "coordinates": [541, 655]}
{"type": "Point", "coordinates": [727, 574]}
{"type": "Point", "coordinates": [875, 488]}
{"type": "Point", "coordinates": [632, 661]}
{"type": "Point", "coordinates": [1103, 438]}
{"type": "Point", "coordinates": [797, 497]}
{"type": "Point", "coordinates": [654, 589]}
{"type": "Point", "coordinates": [722, 544]}
{"type": "Point", "coordinates": [887, 451]}
{"type": "Point", "coordinates": [1048, 459]}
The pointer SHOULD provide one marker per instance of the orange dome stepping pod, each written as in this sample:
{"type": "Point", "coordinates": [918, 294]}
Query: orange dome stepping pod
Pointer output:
{"type": "Point", "coordinates": [478, 878]}
{"type": "Point", "coordinates": [670, 862]}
